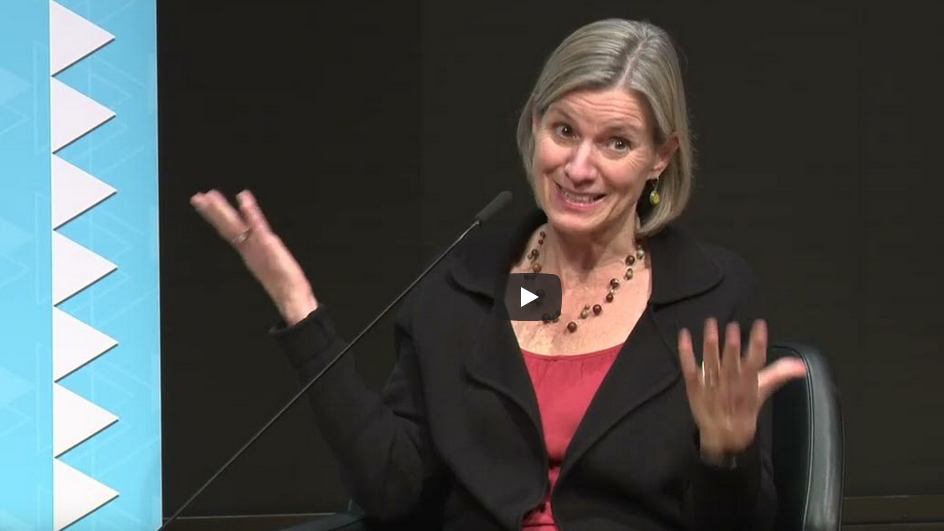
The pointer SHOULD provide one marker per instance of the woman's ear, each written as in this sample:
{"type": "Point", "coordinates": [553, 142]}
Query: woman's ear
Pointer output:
{"type": "Point", "coordinates": [665, 153]}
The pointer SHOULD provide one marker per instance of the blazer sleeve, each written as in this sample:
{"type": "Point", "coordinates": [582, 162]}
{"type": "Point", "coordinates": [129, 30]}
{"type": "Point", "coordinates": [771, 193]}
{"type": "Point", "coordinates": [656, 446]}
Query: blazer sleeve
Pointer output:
{"type": "Point", "coordinates": [381, 440]}
{"type": "Point", "coordinates": [744, 497]}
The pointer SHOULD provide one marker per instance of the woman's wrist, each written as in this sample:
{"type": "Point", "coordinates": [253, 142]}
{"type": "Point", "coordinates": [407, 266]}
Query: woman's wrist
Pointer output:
{"type": "Point", "coordinates": [719, 459]}
{"type": "Point", "coordinates": [719, 455]}
{"type": "Point", "coordinates": [297, 308]}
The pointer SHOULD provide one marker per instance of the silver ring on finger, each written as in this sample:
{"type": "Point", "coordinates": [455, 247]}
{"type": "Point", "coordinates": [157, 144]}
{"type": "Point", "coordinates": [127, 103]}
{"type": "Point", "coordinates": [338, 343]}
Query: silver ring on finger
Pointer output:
{"type": "Point", "coordinates": [709, 378]}
{"type": "Point", "coordinates": [241, 237]}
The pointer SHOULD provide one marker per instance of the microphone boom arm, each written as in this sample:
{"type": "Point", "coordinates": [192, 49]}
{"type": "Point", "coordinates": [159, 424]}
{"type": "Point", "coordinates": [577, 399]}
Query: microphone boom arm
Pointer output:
{"type": "Point", "coordinates": [494, 206]}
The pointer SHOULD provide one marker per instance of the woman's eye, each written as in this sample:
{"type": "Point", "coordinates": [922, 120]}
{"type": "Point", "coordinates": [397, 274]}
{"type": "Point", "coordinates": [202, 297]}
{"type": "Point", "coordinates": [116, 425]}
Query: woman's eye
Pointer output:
{"type": "Point", "coordinates": [564, 130]}
{"type": "Point", "coordinates": [619, 144]}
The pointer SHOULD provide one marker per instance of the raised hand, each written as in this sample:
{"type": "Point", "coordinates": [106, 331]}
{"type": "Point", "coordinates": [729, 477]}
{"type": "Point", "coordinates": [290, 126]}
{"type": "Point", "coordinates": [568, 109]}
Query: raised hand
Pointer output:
{"type": "Point", "coordinates": [727, 394]}
{"type": "Point", "coordinates": [263, 252]}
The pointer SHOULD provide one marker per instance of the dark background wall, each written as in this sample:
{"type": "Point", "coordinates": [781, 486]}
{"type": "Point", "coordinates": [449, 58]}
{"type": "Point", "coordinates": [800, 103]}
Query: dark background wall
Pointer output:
{"type": "Point", "coordinates": [371, 134]}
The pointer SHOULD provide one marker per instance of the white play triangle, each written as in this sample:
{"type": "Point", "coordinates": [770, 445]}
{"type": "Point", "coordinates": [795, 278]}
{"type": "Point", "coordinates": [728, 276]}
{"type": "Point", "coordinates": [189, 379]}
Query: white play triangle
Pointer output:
{"type": "Point", "coordinates": [72, 37]}
{"type": "Point", "coordinates": [74, 268]}
{"type": "Point", "coordinates": [74, 191]}
{"type": "Point", "coordinates": [75, 495]}
{"type": "Point", "coordinates": [527, 297]}
{"type": "Point", "coordinates": [73, 114]}
{"type": "Point", "coordinates": [75, 419]}
{"type": "Point", "coordinates": [74, 344]}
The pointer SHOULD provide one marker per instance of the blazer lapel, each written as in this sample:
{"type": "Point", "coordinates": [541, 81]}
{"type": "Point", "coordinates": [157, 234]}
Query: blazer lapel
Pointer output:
{"type": "Point", "coordinates": [648, 363]}
{"type": "Point", "coordinates": [496, 362]}
{"type": "Point", "coordinates": [645, 367]}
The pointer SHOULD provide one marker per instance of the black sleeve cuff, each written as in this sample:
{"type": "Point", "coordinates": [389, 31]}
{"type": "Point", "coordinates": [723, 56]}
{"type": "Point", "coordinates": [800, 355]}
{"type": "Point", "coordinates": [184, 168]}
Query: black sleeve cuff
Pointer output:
{"type": "Point", "coordinates": [726, 498]}
{"type": "Point", "coordinates": [744, 465]}
{"type": "Point", "coordinates": [308, 339]}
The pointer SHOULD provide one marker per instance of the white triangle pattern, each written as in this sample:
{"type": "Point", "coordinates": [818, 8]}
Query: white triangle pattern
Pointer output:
{"type": "Point", "coordinates": [72, 37]}
{"type": "Point", "coordinates": [74, 192]}
{"type": "Point", "coordinates": [74, 344]}
{"type": "Point", "coordinates": [75, 495]}
{"type": "Point", "coordinates": [75, 419]}
{"type": "Point", "coordinates": [74, 268]}
{"type": "Point", "coordinates": [73, 114]}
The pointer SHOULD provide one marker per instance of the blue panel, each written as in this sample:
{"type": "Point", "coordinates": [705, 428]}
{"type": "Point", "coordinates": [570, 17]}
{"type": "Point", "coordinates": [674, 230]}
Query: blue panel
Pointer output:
{"type": "Point", "coordinates": [25, 269]}
{"type": "Point", "coordinates": [123, 229]}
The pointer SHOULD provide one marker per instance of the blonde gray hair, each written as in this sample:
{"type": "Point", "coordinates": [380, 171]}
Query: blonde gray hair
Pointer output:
{"type": "Point", "coordinates": [639, 57]}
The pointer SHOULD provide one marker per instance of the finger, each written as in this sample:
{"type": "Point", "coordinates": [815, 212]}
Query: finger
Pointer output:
{"type": "Point", "coordinates": [777, 374]}
{"type": "Point", "coordinates": [757, 346]}
{"type": "Point", "coordinates": [687, 358]}
{"type": "Point", "coordinates": [251, 212]}
{"type": "Point", "coordinates": [711, 364]}
{"type": "Point", "coordinates": [197, 200]}
{"type": "Point", "coordinates": [731, 360]}
{"type": "Point", "coordinates": [218, 211]}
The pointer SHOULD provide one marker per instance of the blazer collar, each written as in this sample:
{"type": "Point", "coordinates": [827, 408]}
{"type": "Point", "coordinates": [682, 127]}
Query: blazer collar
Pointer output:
{"type": "Point", "coordinates": [680, 268]}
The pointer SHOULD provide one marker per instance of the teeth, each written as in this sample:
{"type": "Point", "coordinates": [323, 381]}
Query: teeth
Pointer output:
{"type": "Point", "coordinates": [578, 198]}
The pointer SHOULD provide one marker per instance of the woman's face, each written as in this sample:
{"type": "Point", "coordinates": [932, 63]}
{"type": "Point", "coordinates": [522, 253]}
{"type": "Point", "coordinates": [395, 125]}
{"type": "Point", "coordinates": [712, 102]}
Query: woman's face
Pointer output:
{"type": "Point", "coordinates": [593, 152]}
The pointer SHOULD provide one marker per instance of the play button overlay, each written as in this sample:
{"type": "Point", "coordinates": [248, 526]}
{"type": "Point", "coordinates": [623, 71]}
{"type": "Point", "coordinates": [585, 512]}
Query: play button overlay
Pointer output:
{"type": "Point", "coordinates": [527, 296]}
{"type": "Point", "coordinates": [533, 297]}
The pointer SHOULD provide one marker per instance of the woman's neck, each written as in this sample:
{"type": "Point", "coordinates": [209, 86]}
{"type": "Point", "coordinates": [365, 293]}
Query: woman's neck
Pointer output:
{"type": "Point", "coordinates": [579, 259]}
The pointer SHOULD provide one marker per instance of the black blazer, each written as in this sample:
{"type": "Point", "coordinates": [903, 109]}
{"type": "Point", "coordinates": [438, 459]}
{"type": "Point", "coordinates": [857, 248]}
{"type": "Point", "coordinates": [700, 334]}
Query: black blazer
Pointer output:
{"type": "Point", "coordinates": [455, 440]}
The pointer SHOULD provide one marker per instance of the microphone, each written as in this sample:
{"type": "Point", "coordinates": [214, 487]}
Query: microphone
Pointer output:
{"type": "Point", "coordinates": [490, 209]}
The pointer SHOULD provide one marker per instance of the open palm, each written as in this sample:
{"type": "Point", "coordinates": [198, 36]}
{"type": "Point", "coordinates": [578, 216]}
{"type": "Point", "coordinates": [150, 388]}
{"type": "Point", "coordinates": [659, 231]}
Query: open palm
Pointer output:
{"type": "Point", "coordinates": [727, 394]}
{"type": "Point", "coordinates": [264, 253]}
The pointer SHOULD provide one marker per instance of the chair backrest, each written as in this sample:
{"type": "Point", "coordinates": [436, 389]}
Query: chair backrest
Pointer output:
{"type": "Point", "coordinates": [808, 445]}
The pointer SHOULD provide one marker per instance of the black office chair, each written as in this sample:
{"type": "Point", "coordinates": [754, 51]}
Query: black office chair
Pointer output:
{"type": "Point", "coordinates": [808, 446]}
{"type": "Point", "coordinates": [807, 453]}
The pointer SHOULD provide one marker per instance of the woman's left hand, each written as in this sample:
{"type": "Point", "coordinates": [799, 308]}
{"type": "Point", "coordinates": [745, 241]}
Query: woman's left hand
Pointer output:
{"type": "Point", "coordinates": [727, 394]}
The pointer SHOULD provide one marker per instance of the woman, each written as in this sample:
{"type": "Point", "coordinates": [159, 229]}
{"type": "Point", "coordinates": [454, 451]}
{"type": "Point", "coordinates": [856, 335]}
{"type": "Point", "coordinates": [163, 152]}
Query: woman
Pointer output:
{"type": "Point", "coordinates": [600, 419]}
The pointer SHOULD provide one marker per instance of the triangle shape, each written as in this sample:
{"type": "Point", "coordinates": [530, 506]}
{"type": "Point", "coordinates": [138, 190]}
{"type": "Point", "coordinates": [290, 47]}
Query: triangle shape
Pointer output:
{"type": "Point", "coordinates": [74, 192]}
{"type": "Point", "coordinates": [74, 344]}
{"type": "Point", "coordinates": [72, 38]}
{"type": "Point", "coordinates": [74, 268]}
{"type": "Point", "coordinates": [527, 297]}
{"type": "Point", "coordinates": [9, 521]}
{"type": "Point", "coordinates": [12, 387]}
{"type": "Point", "coordinates": [75, 420]}
{"type": "Point", "coordinates": [12, 237]}
{"type": "Point", "coordinates": [11, 86]}
{"type": "Point", "coordinates": [73, 114]}
{"type": "Point", "coordinates": [75, 495]}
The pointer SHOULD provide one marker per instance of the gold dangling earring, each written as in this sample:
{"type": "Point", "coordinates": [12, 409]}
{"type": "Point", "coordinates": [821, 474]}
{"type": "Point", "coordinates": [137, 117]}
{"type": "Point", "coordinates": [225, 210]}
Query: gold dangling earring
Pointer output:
{"type": "Point", "coordinates": [654, 197]}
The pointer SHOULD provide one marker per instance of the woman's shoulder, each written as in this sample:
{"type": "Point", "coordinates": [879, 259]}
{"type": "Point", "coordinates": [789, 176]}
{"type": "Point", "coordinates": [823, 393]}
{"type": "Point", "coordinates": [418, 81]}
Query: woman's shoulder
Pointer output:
{"type": "Point", "coordinates": [731, 262]}
{"type": "Point", "coordinates": [686, 245]}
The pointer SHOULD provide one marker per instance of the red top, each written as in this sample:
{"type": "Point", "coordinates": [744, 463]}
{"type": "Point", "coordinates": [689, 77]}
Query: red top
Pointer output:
{"type": "Point", "coordinates": [564, 386]}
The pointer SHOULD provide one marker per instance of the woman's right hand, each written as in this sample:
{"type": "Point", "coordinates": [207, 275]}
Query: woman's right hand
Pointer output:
{"type": "Point", "coordinates": [262, 251]}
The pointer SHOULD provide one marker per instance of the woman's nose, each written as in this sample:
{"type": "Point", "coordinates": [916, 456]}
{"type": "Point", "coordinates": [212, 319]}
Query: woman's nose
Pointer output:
{"type": "Point", "coordinates": [580, 166]}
